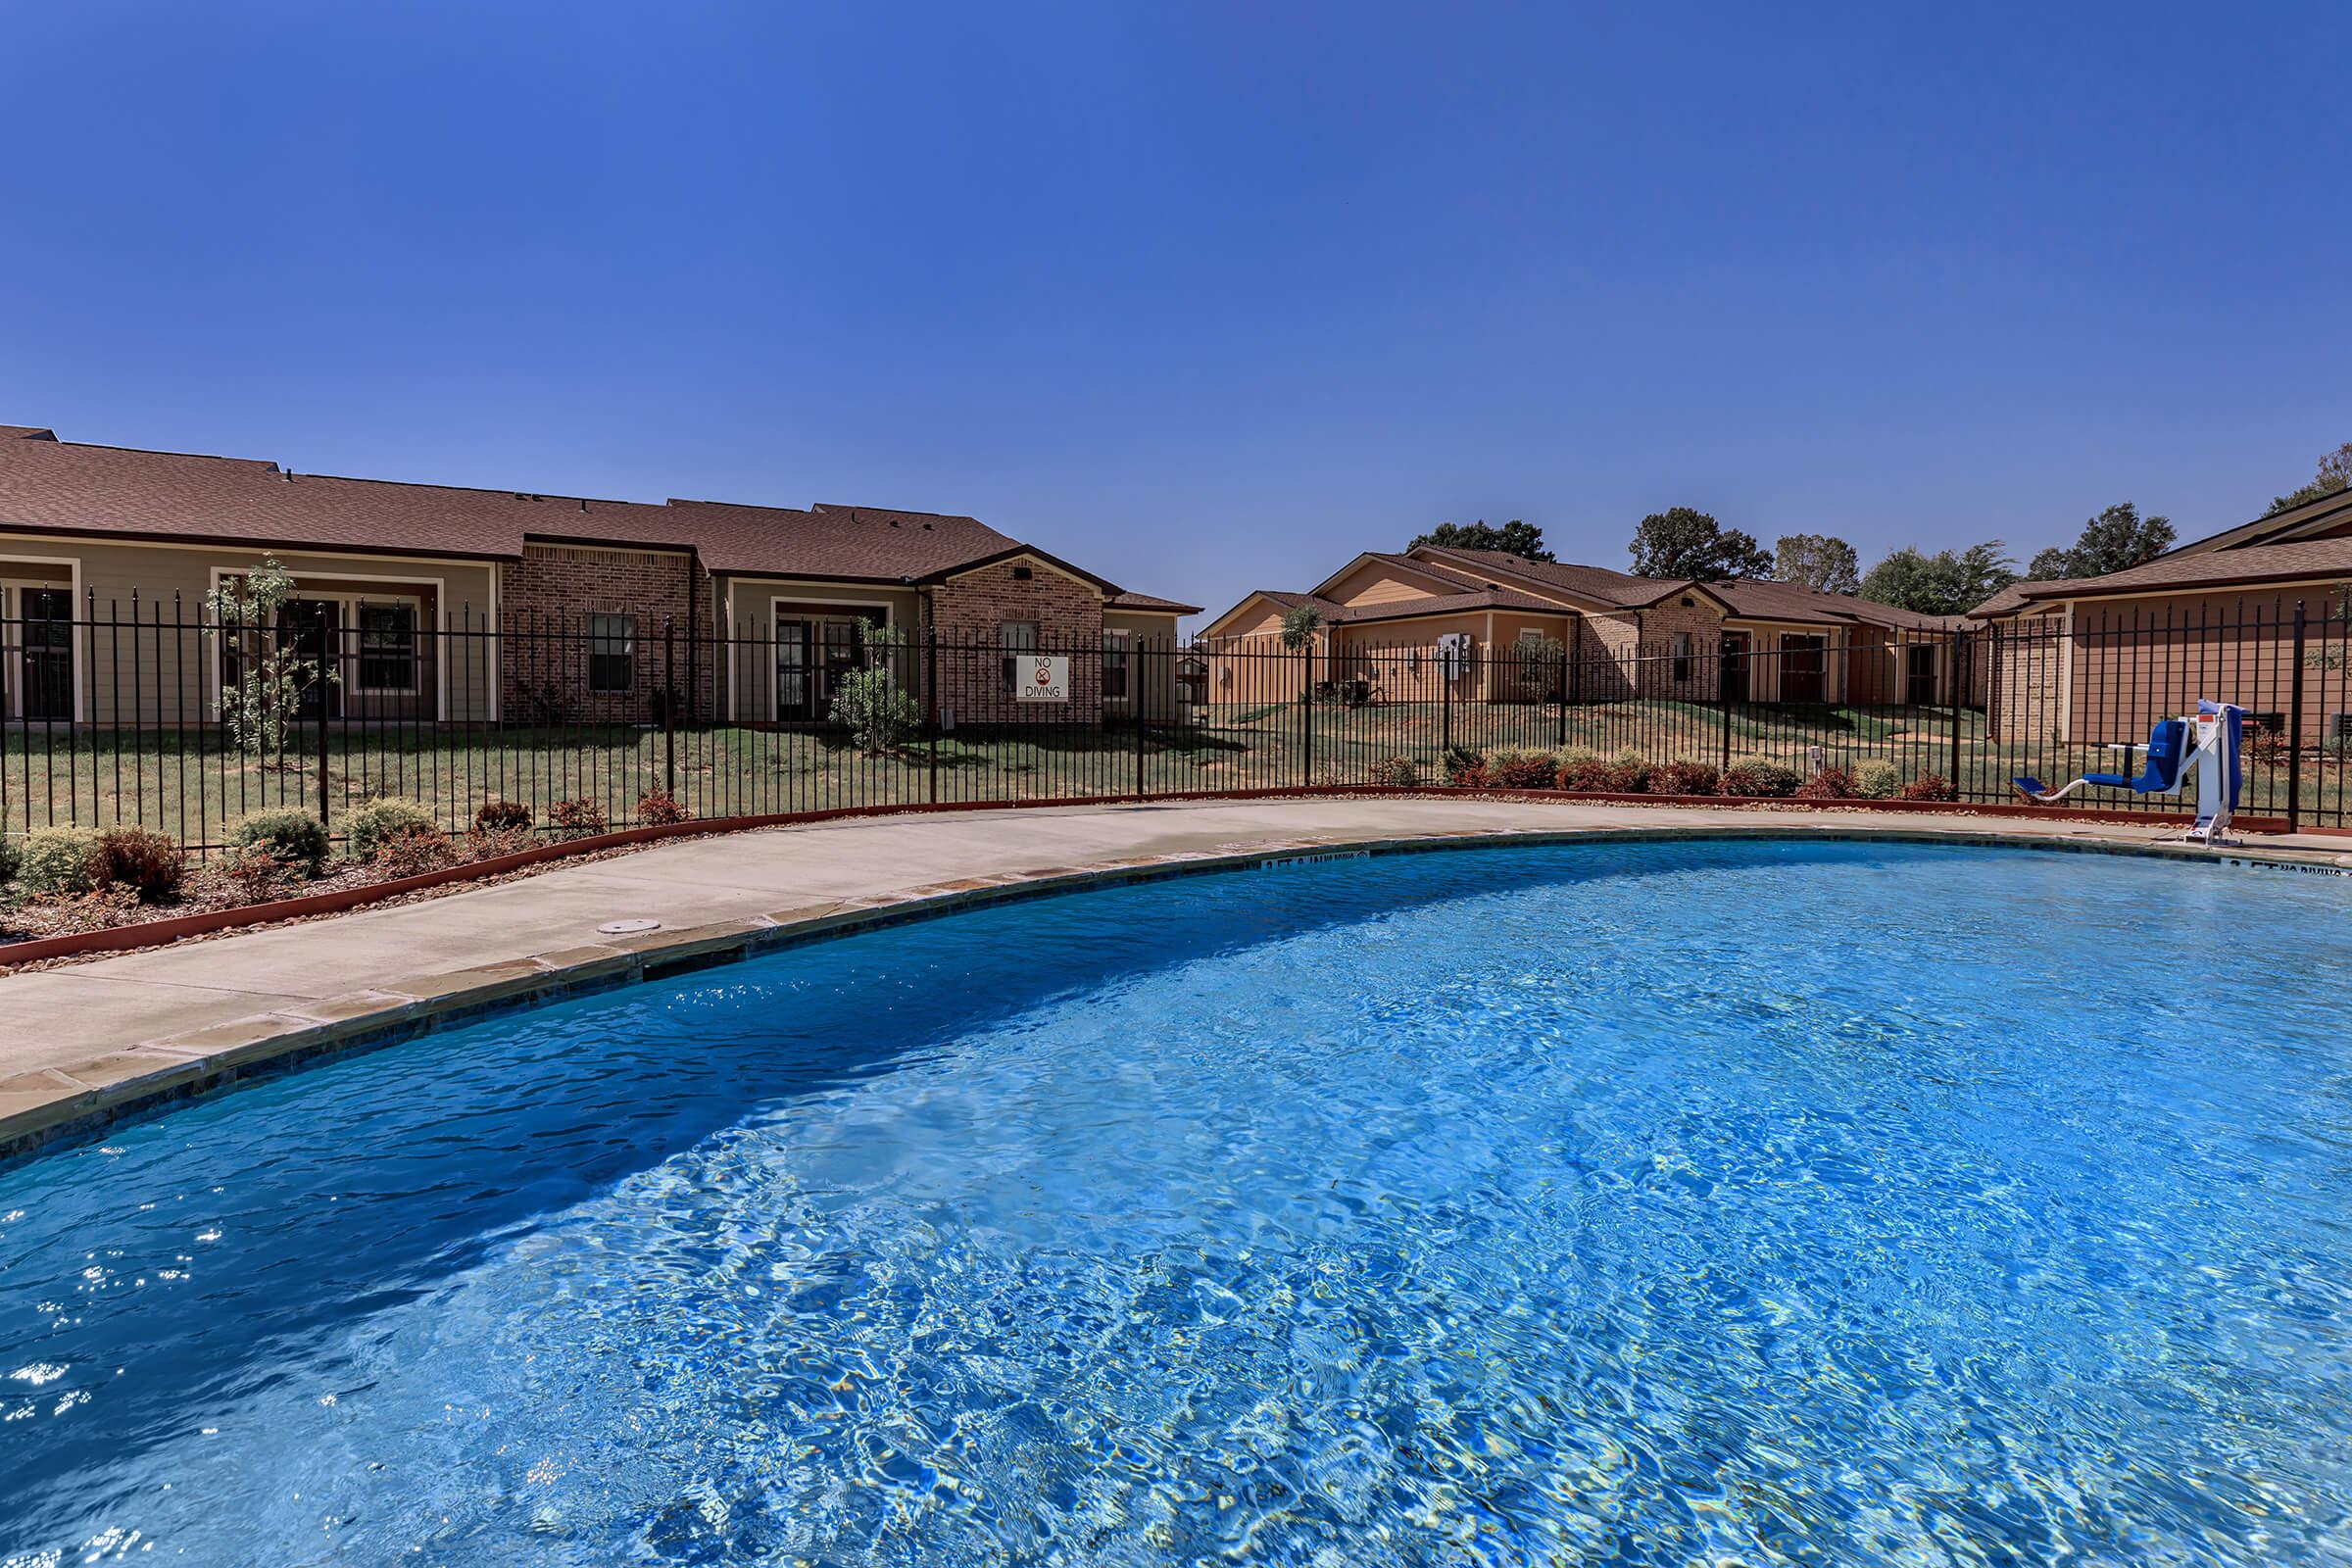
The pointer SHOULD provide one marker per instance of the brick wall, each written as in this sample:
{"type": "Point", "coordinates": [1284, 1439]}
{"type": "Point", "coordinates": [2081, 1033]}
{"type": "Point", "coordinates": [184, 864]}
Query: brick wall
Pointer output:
{"type": "Point", "coordinates": [545, 600]}
{"type": "Point", "coordinates": [1703, 622]}
{"type": "Point", "coordinates": [968, 611]}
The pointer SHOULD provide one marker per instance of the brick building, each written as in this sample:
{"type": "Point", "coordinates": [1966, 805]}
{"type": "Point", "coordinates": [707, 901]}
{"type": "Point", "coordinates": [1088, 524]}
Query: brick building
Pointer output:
{"type": "Point", "coordinates": [440, 604]}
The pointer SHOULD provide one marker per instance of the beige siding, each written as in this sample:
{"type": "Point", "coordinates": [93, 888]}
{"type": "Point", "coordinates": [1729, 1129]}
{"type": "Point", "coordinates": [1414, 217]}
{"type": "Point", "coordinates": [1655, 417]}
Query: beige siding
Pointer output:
{"type": "Point", "coordinates": [159, 674]}
{"type": "Point", "coordinates": [749, 630]}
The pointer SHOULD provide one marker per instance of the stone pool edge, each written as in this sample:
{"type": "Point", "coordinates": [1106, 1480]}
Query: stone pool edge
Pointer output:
{"type": "Point", "coordinates": [156, 1075]}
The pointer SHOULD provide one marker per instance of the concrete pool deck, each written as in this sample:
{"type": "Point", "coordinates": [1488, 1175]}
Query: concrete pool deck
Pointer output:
{"type": "Point", "coordinates": [83, 1044]}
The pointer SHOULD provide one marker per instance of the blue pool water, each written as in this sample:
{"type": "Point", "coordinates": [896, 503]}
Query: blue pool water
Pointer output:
{"type": "Point", "coordinates": [1661, 1203]}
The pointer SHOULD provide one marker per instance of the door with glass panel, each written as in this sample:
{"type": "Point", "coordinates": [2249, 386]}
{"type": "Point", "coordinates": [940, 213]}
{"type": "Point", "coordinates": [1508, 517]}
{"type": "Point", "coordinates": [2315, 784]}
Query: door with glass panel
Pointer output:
{"type": "Point", "coordinates": [46, 638]}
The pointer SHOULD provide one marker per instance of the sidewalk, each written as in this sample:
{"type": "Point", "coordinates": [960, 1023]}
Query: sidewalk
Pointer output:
{"type": "Point", "coordinates": [96, 1037]}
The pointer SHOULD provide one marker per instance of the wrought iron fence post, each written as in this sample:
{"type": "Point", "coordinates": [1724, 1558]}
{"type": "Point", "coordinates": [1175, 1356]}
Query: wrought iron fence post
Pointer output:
{"type": "Point", "coordinates": [1559, 695]}
{"type": "Point", "coordinates": [1137, 686]}
{"type": "Point", "coordinates": [2294, 732]}
{"type": "Point", "coordinates": [1722, 696]}
{"type": "Point", "coordinates": [1444, 708]}
{"type": "Point", "coordinates": [931, 683]}
{"type": "Point", "coordinates": [1306, 715]}
{"type": "Point", "coordinates": [670, 706]}
{"type": "Point", "coordinates": [326, 820]}
{"type": "Point", "coordinates": [1959, 667]}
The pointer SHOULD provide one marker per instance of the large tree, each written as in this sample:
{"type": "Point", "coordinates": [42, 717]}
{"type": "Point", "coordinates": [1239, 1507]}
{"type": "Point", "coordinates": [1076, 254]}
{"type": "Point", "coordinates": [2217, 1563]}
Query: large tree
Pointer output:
{"type": "Point", "coordinates": [1512, 538]}
{"type": "Point", "coordinates": [1945, 583]}
{"type": "Point", "coordinates": [2335, 473]}
{"type": "Point", "coordinates": [2116, 540]}
{"type": "Point", "coordinates": [1682, 542]}
{"type": "Point", "coordinates": [1820, 561]}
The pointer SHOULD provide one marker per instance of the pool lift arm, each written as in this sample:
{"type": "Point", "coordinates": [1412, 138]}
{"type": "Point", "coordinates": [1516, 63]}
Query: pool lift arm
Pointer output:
{"type": "Point", "coordinates": [2208, 742]}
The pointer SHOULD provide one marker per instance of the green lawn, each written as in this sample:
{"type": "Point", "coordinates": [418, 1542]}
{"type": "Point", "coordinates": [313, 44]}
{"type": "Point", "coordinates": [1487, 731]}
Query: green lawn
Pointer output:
{"type": "Point", "coordinates": [189, 786]}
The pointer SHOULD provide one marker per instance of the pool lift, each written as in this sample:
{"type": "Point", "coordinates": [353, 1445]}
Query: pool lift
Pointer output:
{"type": "Point", "coordinates": [2209, 741]}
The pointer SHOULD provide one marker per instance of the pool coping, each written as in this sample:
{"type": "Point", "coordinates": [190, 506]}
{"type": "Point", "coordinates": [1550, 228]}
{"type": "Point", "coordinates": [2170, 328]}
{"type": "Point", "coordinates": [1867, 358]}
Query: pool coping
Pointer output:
{"type": "Point", "coordinates": [150, 1078]}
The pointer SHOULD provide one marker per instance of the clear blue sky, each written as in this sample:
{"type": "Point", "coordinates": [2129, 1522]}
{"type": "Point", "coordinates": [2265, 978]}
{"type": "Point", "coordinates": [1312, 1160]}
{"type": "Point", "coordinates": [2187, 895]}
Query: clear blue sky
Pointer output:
{"type": "Point", "coordinates": [1204, 296]}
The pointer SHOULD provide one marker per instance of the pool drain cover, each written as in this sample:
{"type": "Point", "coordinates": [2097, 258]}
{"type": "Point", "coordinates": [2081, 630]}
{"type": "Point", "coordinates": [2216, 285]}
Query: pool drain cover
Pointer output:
{"type": "Point", "coordinates": [628, 928]}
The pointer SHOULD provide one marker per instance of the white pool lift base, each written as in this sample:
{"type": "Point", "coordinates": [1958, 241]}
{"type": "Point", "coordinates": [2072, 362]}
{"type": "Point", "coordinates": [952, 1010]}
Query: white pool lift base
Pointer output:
{"type": "Point", "coordinates": [2208, 743]}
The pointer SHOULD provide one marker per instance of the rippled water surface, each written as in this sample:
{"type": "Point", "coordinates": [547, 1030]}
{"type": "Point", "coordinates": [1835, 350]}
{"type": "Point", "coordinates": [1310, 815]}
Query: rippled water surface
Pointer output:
{"type": "Point", "coordinates": [1727, 1203]}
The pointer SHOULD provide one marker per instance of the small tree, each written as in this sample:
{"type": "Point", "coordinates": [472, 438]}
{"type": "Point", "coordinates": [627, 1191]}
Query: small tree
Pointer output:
{"type": "Point", "coordinates": [258, 707]}
{"type": "Point", "coordinates": [1532, 665]}
{"type": "Point", "coordinates": [869, 703]}
{"type": "Point", "coordinates": [1299, 628]}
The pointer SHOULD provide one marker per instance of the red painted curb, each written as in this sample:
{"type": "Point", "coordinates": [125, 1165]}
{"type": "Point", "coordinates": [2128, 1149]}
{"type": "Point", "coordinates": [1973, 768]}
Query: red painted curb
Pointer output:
{"type": "Point", "coordinates": [159, 933]}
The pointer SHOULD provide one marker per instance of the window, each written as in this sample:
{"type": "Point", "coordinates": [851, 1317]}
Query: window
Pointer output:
{"type": "Point", "coordinates": [1015, 637]}
{"type": "Point", "coordinates": [387, 648]}
{"type": "Point", "coordinates": [1114, 666]}
{"type": "Point", "coordinates": [1681, 655]}
{"type": "Point", "coordinates": [611, 652]}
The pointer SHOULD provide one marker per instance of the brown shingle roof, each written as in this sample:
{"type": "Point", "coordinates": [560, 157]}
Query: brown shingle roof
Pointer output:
{"type": "Point", "coordinates": [1129, 600]}
{"type": "Point", "coordinates": [1589, 583]}
{"type": "Point", "coordinates": [1766, 601]}
{"type": "Point", "coordinates": [70, 488]}
{"type": "Point", "coordinates": [2218, 569]}
{"type": "Point", "coordinates": [2007, 602]}
{"type": "Point", "coordinates": [865, 543]}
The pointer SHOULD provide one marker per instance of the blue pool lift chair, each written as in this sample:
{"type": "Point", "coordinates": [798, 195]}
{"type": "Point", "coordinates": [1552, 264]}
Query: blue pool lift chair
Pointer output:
{"type": "Point", "coordinates": [2207, 743]}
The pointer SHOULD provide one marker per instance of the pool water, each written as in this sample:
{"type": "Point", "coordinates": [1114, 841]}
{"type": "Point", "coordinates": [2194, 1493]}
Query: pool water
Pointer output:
{"type": "Point", "coordinates": [1644, 1204]}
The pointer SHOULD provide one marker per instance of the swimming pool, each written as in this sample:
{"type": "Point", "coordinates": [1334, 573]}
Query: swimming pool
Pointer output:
{"type": "Point", "coordinates": [1635, 1203]}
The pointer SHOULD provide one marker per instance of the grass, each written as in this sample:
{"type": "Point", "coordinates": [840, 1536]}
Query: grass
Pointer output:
{"type": "Point", "coordinates": [190, 786]}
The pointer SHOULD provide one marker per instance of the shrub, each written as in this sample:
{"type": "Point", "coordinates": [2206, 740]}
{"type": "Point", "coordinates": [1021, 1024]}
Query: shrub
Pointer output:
{"type": "Point", "coordinates": [415, 850]}
{"type": "Point", "coordinates": [147, 863]}
{"type": "Point", "coordinates": [59, 862]}
{"type": "Point", "coordinates": [9, 856]}
{"type": "Point", "coordinates": [1395, 772]}
{"type": "Point", "coordinates": [1587, 773]}
{"type": "Point", "coordinates": [496, 815]}
{"type": "Point", "coordinates": [1633, 772]}
{"type": "Point", "coordinates": [1523, 770]}
{"type": "Point", "coordinates": [2267, 745]}
{"type": "Point", "coordinates": [489, 843]}
{"type": "Point", "coordinates": [577, 819]}
{"type": "Point", "coordinates": [257, 874]}
{"type": "Point", "coordinates": [1759, 778]}
{"type": "Point", "coordinates": [879, 713]}
{"type": "Point", "coordinates": [296, 838]}
{"type": "Point", "coordinates": [1464, 767]}
{"type": "Point", "coordinates": [1877, 779]}
{"type": "Point", "coordinates": [2336, 748]}
{"type": "Point", "coordinates": [370, 823]}
{"type": "Point", "coordinates": [656, 806]}
{"type": "Point", "coordinates": [1683, 778]}
{"type": "Point", "coordinates": [1830, 784]}
{"type": "Point", "coordinates": [1927, 787]}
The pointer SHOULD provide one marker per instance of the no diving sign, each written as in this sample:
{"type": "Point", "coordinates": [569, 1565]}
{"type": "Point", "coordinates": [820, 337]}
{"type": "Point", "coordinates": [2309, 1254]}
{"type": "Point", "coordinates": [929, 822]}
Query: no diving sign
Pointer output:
{"type": "Point", "coordinates": [1045, 678]}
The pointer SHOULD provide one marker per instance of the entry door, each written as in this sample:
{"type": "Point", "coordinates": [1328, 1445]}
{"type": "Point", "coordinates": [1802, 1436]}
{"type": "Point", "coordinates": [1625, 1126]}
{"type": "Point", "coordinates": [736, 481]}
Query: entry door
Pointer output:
{"type": "Point", "coordinates": [312, 630]}
{"type": "Point", "coordinates": [1803, 670]}
{"type": "Point", "coordinates": [48, 653]}
{"type": "Point", "coordinates": [1918, 675]}
{"type": "Point", "coordinates": [795, 673]}
{"type": "Point", "coordinates": [1735, 666]}
{"type": "Point", "coordinates": [815, 653]}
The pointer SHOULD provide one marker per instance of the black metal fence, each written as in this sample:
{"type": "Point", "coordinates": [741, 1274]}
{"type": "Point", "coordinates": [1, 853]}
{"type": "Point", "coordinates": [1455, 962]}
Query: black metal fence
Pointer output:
{"type": "Point", "coordinates": [149, 715]}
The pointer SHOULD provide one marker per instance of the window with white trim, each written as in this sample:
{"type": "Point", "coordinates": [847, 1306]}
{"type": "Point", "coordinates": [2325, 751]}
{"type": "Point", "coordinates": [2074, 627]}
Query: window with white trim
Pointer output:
{"type": "Point", "coordinates": [387, 652]}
